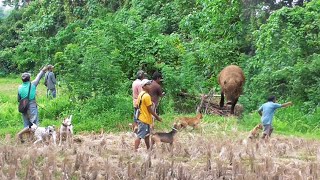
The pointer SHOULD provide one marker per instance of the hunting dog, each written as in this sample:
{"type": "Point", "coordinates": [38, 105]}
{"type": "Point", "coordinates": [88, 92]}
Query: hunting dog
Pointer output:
{"type": "Point", "coordinates": [190, 121]}
{"type": "Point", "coordinates": [169, 137]}
{"type": "Point", "coordinates": [254, 133]}
{"type": "Point", "coordinates": [42, 133]}
{"type": "Point", "coordinates": [66, 129]}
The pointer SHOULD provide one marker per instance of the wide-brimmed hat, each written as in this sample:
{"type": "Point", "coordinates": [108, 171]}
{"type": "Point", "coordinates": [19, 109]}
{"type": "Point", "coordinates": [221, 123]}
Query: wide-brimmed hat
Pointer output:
{"type": "Point", "coordinates": [145, 82]}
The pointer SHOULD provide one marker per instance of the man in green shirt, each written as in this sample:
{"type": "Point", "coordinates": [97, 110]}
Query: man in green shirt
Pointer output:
{"type": "Point", "coordinates": [31, 116]}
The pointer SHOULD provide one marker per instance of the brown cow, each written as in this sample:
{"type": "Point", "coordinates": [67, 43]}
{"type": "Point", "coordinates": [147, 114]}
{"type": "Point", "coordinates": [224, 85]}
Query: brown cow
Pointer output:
{"type": "Point", "coordinates": [231, 80]}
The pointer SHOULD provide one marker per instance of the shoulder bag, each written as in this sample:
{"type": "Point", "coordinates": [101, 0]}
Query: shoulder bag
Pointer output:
{"type": "Point", "coordinates": [24, 103]}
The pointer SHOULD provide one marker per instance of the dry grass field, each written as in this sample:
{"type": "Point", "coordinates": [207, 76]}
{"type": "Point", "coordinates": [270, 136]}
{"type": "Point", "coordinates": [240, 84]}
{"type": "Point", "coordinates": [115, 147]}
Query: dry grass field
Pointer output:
{"type": "Point", "coordinates": [210, 153]}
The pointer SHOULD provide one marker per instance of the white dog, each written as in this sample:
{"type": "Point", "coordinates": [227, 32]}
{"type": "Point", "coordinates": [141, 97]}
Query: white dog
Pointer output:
{"type": "Point", "coordinates": [66, 129]}
{"type": "Point", "coordinates": [42, 133]}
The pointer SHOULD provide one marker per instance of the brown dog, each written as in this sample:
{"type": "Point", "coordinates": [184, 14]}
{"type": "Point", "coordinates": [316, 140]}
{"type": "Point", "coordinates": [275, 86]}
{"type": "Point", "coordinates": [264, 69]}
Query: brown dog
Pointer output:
{"type": "Point", "coordinates": [254, 133]}
{"type": "Point", "coordinates": [158, 137]}
{"type": "Point", "coordinates": [190, 121]}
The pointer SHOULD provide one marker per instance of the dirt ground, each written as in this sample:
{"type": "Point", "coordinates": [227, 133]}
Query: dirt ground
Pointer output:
{"type": "Point", "coordinates": [206, 153]}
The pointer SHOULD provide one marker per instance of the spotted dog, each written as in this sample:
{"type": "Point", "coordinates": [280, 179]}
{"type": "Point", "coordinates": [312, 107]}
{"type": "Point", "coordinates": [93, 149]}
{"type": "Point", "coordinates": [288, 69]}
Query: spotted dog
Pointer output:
{"type": "Point", "coordinates": [42, 133]}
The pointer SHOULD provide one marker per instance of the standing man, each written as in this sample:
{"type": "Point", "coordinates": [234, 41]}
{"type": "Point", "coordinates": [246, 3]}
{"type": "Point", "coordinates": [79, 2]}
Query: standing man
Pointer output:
{"type": "Point", "coordinates": [266, 112]}
{"type": "Point", "coordinates": [156, 90]}
{"type": "Point", "coordinates": [50, 82]}
{"type": "Point", "coordinates": [31, 116]}
{"type": "Point", "coordinates": [145, 116]}
{"type": "Point", "coordinates": [136, 89]}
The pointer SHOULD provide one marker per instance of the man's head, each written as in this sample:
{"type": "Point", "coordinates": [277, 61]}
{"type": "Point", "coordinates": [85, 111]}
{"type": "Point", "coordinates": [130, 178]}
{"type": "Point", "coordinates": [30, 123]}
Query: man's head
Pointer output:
{"type": "Point", "coordinates": [272, 99]}
{"type": "Point", "coordinates": [141, 74]}
{"type": "Point", "coordinates": [25, 77]}
{"type": "Point", "coordinates": [145, 83]}
{"type": "Point", "coordinates": [157, 77]}
{"type": "Point", "coordinates": [50, 67]}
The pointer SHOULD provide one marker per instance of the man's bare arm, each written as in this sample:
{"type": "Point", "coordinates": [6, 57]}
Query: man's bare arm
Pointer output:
{"type": "Point", "coordinates": [286, 104]}
{"type": "Point", "coordinates": [153, 113]}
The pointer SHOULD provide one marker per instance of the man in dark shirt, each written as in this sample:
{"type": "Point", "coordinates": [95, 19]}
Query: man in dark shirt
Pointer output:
{"type": "Point", "coordinates": [156, 90]}
{"type": "Point", "coordinates": [50, 82]}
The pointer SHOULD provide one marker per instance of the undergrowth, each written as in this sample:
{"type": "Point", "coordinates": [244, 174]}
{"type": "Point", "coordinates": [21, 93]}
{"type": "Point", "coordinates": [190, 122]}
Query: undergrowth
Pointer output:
{"type": "Point", "coordinates": [116, 114]}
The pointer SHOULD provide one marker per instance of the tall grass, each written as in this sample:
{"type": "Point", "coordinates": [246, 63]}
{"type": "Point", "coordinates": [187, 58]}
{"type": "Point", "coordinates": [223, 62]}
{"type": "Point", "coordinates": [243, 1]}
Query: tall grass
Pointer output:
{"type": "Point", "coordinates": [288, 121]}
{"type": "Point", "coordinates": [114, 113]}
{"type": "Point", "coordinates": [49, 110]}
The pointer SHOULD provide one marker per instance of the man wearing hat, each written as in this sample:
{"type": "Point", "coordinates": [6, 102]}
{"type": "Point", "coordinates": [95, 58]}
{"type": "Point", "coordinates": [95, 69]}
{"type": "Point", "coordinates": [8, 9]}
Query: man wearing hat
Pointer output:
{"type": "Point", "coordinates": [136, 89]}
{"type": "Point", "coordinates": [145, 116]}
{"type": "Point", "coordinates": [31, 116]}
{"type": "Point", "coordinates": [50, 82]}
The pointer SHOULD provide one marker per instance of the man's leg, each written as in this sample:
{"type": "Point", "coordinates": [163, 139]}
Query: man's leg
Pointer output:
{"type": "Point", "coordinates": [54, 92]}
{"type": "Point", "coordinates": [143, 133]}
{"type": "Point", "coordinates": [33, 115]}
{"type": "Point", "coordinates": [136, 144]}
{"type": "Point", "coordinates": [271, 130]}
{"type": "Point", "coordinates": [33, 118]}
{"type": "Point", "coordinates": [147, 141]}
{"type": "Point", "coordinates": [48, 93]}
{"type": "Point", "coordinates": [26, 123]}
{"type": "Point", "coordinates": [266, 131]}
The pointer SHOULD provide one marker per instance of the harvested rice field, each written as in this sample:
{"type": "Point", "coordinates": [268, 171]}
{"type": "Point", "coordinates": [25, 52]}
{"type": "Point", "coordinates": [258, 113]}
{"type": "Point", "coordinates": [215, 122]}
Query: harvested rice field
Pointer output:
{"type": "Point", "coordinates": [197, 154]}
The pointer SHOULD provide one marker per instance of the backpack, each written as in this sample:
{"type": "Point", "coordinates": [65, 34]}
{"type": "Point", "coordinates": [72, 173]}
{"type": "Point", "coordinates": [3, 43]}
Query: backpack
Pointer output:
{"type": "Point", "coordinates": [137, 114]}
{"type": "Point", "coordinates": [24, 103]}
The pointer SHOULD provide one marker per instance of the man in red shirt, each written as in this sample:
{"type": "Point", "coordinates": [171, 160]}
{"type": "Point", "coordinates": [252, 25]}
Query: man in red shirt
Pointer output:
{"type": "Point", "coordinates": [136, 89]}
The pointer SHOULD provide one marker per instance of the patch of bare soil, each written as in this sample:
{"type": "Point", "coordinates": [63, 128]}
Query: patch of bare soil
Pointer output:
{"type": "Point", "coordinates": [197, 154]}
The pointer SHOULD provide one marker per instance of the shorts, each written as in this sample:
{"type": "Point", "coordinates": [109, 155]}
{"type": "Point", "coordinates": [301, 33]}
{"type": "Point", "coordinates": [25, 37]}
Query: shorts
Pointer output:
{"type": "Point", "coordinates": [31, 116]}
{"type": "Point", "coordinates": [143, 130]}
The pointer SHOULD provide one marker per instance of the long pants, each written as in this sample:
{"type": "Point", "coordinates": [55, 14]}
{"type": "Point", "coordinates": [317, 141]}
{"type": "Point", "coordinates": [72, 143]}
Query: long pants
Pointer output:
{"type": "Point", "coordinates": [51, 93]}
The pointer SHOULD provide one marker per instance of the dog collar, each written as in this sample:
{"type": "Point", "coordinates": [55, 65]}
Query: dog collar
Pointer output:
{"type": "Point", "coordinates": [66, 125]}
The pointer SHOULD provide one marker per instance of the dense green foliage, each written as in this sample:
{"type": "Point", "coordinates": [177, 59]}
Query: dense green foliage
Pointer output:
{"type": "Point", "coordinates": [97, 47]}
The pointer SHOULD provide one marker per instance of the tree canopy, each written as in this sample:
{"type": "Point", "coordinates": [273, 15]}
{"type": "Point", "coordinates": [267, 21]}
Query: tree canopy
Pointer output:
{"type": "Point", "coordinates": [98, 46]}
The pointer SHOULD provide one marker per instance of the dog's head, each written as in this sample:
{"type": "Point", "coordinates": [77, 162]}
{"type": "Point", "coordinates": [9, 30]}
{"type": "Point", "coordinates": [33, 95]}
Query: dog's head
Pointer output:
{"type": "Point", "coordinates": [67, 121]}
{"type": "Point", "coordinates": [33, 127]}
{"type": "Point", "coordinates": [50, 129]}
{"type": "Point", "coordinates": [177, 125]}
{"type": "Point", "coordinates": [259, 126]}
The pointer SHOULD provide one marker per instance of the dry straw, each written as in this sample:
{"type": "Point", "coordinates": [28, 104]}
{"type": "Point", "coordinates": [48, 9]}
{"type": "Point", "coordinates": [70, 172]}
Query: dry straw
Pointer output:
{"type": "Point", "coordinates": [196, 155]}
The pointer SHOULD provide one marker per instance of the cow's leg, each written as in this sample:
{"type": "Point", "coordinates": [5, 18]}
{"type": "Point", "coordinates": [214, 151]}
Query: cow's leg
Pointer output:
{"type": "Point", "coordinates": [222, 99]}
{"type": "Point", "coordinates": [233, 105]}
